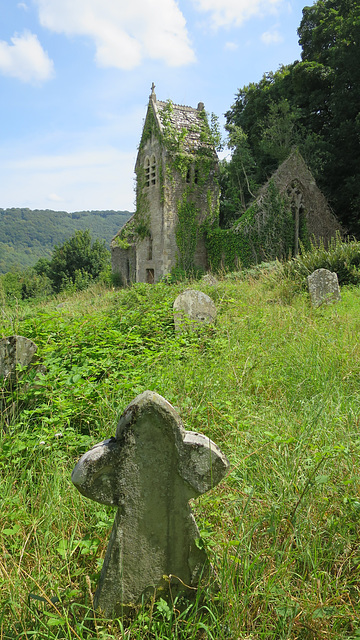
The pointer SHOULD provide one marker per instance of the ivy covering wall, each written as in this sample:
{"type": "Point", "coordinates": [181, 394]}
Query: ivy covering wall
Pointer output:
{"type": "Point", "coordinates": [193, 168]}
{"type": "Point", "coordinates": [264, 232]}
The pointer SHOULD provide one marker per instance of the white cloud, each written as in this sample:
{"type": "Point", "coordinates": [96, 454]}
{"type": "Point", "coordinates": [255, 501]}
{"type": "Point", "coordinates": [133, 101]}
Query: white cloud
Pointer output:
{"type": "Point", "coordinates": [272, 37]}
{"type": "Point", "coordinates": [93, 178]}
{"type": "Point", "coordinates": [124, 31]}
{"type": "Point", "coordinates": [235, 12]}
{"type": "Point", "coordinates": [22, 5]}
{"type": "Point", "coordinates": [25, 59]}
{"type": "Point", "coordinates": [53, 197]}
{"type": "Point", "coordinates": [231, 46]}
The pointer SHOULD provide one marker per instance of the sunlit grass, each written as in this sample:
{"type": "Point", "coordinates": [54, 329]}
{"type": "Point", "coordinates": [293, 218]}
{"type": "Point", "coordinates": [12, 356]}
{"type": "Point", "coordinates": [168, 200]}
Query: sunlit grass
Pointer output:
{"type": "Point", "coordinates": [275, 383]}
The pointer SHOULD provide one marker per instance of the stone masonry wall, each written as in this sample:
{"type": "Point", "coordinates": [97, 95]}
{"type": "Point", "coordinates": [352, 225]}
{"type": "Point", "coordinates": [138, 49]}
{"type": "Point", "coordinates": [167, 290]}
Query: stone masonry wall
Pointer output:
{"type": "Point", "coordinates": [123, 261]}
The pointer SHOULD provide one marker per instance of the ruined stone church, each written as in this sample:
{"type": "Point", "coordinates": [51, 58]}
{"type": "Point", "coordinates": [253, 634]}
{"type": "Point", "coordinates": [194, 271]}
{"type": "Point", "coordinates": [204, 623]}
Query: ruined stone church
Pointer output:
{"type": "Point", "coordinates": [177, 204]}
{"type": "Point", "coordinates": [177, 194]}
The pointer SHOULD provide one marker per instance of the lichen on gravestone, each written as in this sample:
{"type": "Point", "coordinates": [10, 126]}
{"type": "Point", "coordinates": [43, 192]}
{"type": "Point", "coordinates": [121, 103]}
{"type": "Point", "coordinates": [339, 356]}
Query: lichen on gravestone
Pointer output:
{"type": "Point", "coordinates": [193, 308]}
{"type": "Point", "coordinates": [149, 471]}
{"type": "Point", "coordinates": [323, 287]}
{"type": "Point", "coordinates": [15, 351]}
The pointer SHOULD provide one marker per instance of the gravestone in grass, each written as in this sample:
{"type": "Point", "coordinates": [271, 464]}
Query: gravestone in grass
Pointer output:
{"type": "Point", "coordinates": [323, 287]}
{"type": "Point", "coordinates": [208, 278]}
{"type": "Point", "coordinates": [14, 351]}
{"type": "Point", "coordinates": [150, 471]}
{"type": "Point", "coordinates": [192, 308]}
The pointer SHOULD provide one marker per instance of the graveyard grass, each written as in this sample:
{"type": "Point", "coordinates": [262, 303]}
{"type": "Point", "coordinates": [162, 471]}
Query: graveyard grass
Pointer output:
{"type": "Point", "coordinates": [275, 383]}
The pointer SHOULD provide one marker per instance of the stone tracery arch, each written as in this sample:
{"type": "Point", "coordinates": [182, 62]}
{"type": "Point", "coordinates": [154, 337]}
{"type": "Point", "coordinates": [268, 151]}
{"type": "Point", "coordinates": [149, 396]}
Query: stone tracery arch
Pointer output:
{"type": "Point", "coordinates": [294, 191]}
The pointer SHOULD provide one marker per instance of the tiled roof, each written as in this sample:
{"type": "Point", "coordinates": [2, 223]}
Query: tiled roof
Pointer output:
{"type": "Point", "coordinates": [190, 119]}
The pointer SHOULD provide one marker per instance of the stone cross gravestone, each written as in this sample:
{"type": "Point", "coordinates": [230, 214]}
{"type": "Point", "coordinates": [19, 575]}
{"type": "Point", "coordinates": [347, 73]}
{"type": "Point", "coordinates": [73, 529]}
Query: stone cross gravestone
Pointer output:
{"type": "Point", "coordinates": [323, 287]}
{"type": "Point", "coordinates": [15, 350]}
{"type": "Point", "coordinates": [192, 308]}
{"type": "Point", "coordinates": [150, 470]}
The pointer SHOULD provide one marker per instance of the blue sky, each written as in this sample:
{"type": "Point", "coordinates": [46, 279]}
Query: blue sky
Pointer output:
{"type": "Point", "coordinates": [75, 77]}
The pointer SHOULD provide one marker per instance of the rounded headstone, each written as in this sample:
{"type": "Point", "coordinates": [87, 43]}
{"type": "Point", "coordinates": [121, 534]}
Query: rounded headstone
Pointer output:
{"type": "Point", "coordinates": [323, 287]}
{"type": "Point", "coordinates": [193, 308]}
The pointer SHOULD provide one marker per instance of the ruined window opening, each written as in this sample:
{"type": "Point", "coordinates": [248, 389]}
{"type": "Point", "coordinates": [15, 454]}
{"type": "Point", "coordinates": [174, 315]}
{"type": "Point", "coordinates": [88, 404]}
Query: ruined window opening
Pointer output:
{"type": "Point", "coordinates": [150, 276]}
{"type": "Point", "coordinates": [296, 198]}
{"type": "Point", "coordinates": [196, 175]}
{"type": "Point", "coordinates": [128, 270]}
{"type": "Point", "coordinates": [147, 172]}
{"type": "Point", "coordinates": [188, 175]}
{"type": "Point", "coordinates": [150, 248]}
{"type": "Point", "coordinates": [153, 170]}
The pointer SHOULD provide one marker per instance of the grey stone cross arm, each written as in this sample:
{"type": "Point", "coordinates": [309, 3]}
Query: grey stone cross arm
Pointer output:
{"type": "Point", "coordinates": [149, 471]}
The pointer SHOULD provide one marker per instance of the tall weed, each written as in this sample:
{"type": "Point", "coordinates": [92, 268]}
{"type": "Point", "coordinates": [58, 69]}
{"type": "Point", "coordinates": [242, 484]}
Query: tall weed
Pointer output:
{"type": "Point", "coordinates": [341, 257]}
{"type": "Point", "coordinates": [275, 386]}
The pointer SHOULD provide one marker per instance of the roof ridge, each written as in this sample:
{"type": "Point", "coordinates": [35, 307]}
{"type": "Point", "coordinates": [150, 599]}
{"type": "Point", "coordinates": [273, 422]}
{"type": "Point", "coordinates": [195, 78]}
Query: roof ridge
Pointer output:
{"type": "Point", "coordinates": [180, 106]}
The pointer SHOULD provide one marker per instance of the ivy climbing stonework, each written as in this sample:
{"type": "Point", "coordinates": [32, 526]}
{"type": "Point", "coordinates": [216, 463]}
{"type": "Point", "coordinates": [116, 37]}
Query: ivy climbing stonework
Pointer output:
{"type": "Point", "coordinates": [177, 194]}
{"type": "Point", "coordinates": [176, 222]}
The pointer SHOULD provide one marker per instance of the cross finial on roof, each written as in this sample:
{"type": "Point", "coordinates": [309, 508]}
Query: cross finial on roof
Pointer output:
{"type": "Point", "coordinates": [153, 94]}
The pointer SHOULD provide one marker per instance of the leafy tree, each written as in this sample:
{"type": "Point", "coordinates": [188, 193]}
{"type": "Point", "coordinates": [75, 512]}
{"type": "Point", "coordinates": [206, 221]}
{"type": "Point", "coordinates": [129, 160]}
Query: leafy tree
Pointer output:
{"type": "Point", "coordinates": [252, 111]}
{"type": "Point", "coordinates": [237, 182]}
{"type": "Point", "coordinates": [76, 262]}
{"type": "Point", "coordinates": [315, 104]}
{"type": "Point", "coordinates": [279, 131]}
{"type": "Point", "coordinates": [330, 38]}
{"type": "Point", "coordinates": [27, 235]}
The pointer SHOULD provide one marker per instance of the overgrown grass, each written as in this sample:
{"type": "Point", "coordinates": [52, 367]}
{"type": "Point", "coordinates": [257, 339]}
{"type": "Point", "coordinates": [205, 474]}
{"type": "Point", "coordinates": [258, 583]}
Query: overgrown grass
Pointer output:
{"type": "Point", "coordinates": [275, 385]}
{"type": "Point", "coordinates": [341, 257]}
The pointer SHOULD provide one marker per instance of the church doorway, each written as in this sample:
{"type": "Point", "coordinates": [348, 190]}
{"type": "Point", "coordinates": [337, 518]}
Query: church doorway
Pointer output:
{"type": "Point", "coordinates": [150, 276]}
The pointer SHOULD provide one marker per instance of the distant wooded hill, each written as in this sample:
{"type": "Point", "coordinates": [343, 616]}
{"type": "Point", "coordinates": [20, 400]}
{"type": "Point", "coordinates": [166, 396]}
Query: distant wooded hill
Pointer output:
{"type": "Point", "coordinates": [27, 235]}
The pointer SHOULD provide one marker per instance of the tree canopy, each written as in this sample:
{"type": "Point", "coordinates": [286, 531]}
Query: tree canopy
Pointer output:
{"type": "Point", "coordinates": [27, 235]}
{"type": "Point", "coordinates": [313, 104]}
{"type": "Point", "coordinates": [78, 261]}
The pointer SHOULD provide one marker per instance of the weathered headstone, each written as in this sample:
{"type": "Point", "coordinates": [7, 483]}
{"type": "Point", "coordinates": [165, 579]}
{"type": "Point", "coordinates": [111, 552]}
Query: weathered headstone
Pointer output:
{"type": "Point", "coordinates": [150, 470]}
{"type": "Point", "coordinates": [15, 350]}
{"type": "Point", "coordinates": [208, 278]}
{"type": "Point", "coordinates": [192, 308]}
{"type": "Point", "coordinates": [323, 287]}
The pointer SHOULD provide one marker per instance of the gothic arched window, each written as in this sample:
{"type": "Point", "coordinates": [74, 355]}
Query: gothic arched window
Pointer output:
{"type": "Point", "coordinates": [153, 170]}
{"type": "Point", "coordinates": [147, 172]}
{"type": "Point", "coordinates": [150, 248]}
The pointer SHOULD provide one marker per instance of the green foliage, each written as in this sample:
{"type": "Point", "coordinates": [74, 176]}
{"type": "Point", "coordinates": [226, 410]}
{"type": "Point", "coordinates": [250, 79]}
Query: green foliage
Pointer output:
{"type": "Point", "coordinates": [77, 262]}
{"type": "Point", "coordinates": [275, 386]}
{"type": "Point", "coordinates": [237, 181]}
{"type": "Point", "coordinates": [314, 104]}
{"type": "Point", "coordinates": [341, 257]}
{"type": "Point", "coordinates": [186, 233]}
{"type": "Point", "coordinates": [121, 241]}
{"type": "Point", "coordinates": [21, 285]}
{"type": "Point", "coordinates": [279, 131]}
{"type": "Point", "coordinates": [27, 236]}
{"type": "Point", "coordinates": [215, 129]}
{"type": "Point", "coordinates": [264, 232]}
{"type": "Point", "coordinates": [172, 137]}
